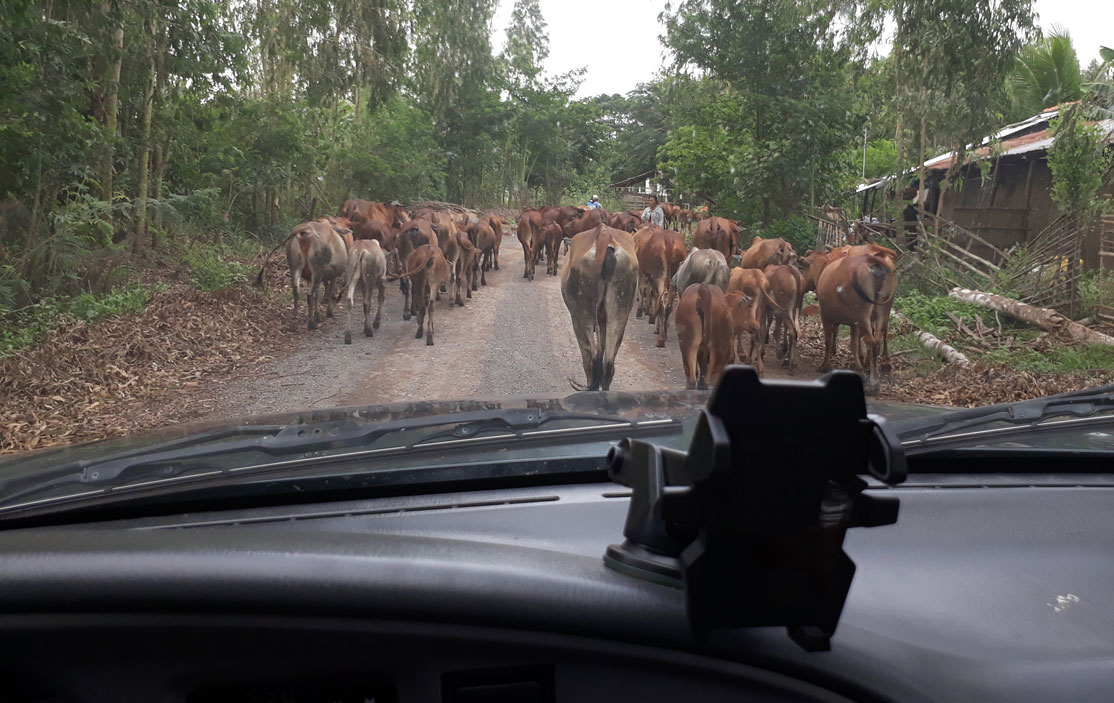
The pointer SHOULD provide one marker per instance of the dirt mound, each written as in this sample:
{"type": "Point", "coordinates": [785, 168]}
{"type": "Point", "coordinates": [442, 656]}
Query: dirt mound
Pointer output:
{"type": "Point", "coordinates": [88, 382]}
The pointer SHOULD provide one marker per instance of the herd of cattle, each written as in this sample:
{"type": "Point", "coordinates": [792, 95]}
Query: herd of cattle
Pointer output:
{"type": "Point", "coordinates": [613, 261]}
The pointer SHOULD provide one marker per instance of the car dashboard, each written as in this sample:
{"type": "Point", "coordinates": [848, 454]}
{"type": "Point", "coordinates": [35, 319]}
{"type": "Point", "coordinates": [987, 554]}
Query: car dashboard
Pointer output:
{"type": "Point", "coordinates": [985, 589]}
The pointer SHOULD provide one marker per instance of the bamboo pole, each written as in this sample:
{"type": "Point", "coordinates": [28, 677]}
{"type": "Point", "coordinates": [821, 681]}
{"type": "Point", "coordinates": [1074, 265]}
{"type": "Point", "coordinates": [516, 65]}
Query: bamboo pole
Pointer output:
{"type": "Point", "coordinates": [1045, 318]}
{"type": "Point", "coordinates": [934, 344]}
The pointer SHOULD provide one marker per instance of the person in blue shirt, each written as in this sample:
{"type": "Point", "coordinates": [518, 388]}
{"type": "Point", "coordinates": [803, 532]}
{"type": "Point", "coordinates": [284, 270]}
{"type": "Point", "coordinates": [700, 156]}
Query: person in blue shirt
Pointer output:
{"type": "Point", "coordinates": [594, 203]}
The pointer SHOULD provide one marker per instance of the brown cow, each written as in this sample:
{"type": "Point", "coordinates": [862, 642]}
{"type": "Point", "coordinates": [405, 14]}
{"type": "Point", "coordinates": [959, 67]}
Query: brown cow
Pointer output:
{"type": "Point", "coordinates": [315, 253]}
{"type": "Point", "coordinates": [390, 214]}
{"type": "Point", "coordinates": [625, 221]}
{"type": "Point", "coordinates": [586, 219]}
{"type": "Point", "coordinates": [367, 263]}
{"type": "Point", "coordinates": [427, 270]}
{"type": "Point", "coordinates": [551, 237]}
{"type": "Point", "coordinates": [850, 291]}
{"type": "Point", "coordinates": [654, 273]}
{"type": "Point", "coordinates": [686, 218]}
{"type": "Point", "coordinates": [704, 333]}
{"type": "Point", "coordinates": [717, 233]}
{"type": "Point", "coordinates": [598, 286]}
{"type": "Point", "coordinates": [670, 212]}
{"type": "Point", "coordinates": [496, 224]}
{"type": "Point", "coordinates": [529, 234]}
{"type": "Point", "coordinates": [755, 289]}
{"type": "Point", "coordinates": [464, 266]}
{"type": "Point", "coordinates": [881, 315]}
{"type": "Point", "coordinates": [766, 252]}
{"type": "Point", "coordinates": [486, 243]}
{"type": "Point", "coordinates": [417, 232]}
{"type": "Point", "coordinates": [373, 229]}
{"type": "Point", "coordinates": [787, 290]}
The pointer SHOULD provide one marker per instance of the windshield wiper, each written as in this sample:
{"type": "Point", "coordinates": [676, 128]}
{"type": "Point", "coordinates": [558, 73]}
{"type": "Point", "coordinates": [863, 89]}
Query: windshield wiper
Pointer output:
{"type": "Point", "coordinates": [964, 427]}
{"type": "Point", "coordinates": [195, 459]}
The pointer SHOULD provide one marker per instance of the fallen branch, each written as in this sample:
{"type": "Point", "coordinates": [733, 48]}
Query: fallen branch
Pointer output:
{"type": "Point", "coordinates": [1045, 318]}
{"type": "Point", "coordinates": [934, 344]}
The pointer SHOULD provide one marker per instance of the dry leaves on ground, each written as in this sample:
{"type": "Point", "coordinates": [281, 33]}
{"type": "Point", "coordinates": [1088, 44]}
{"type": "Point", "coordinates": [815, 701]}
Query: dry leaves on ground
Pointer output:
{"type": "Point", "coordinates": [89, 382]}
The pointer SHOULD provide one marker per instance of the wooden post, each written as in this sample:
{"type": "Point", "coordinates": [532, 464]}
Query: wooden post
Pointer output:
{"type": "Point", "coordinates": [1029, 195]}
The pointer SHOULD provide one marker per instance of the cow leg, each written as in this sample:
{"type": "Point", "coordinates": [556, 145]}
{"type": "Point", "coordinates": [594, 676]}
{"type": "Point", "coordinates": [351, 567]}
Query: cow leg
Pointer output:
{"type": "Point", "coordinates": [314, 311]}
{"type": "Point", "coordinates": [379, 308]}
{"type": "Point", "coordinates": [757, 349]}
{"type": "Point", "coordinates": [422, 306]}
{"type": "Point", "coordinates": [429, 325]}
{"type": "Point", "coordinates": [351, 294]}
{"type": "Point", "coordinates": [330, 296]}
{"type": "Point", "coordinates": [483, 269]}
{"type": "Point", "coordinates": [830, 332]}
{"type": "Point", "coordinates": [663, 319]}
{"type": "Point", "coordinates": [689, 343]}
{"type": "Point", "coordinates": [404, 284]}
{"type": "Point", "coordinates": [295, 285]}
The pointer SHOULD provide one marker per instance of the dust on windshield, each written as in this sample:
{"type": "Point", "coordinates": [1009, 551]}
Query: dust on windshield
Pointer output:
{"type": "Point", "coordinates": [217, 210]}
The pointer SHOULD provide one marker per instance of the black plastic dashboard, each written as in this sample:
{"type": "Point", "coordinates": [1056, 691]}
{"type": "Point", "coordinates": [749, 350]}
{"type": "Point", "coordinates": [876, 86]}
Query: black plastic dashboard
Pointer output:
{"type": "Point", "coordinates": [986, 589]}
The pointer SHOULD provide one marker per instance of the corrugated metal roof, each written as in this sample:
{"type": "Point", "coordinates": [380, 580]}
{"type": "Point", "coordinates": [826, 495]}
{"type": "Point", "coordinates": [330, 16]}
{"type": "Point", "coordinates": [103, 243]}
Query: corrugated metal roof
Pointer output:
{"type": "Point", "coordinates": [1034, 141]}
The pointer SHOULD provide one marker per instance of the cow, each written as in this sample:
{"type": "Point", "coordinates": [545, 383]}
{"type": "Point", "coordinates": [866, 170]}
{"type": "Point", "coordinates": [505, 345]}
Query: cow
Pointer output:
{"type": "Point", "coordinates": [373, 229]}
{"type": "Point", "coordinates": [584, 220]}
{"type": "Point", "coordinates": [427, 270]}
{"type": "Point", "coordinates": [787, 290]}
{"type": "Point", "coordinates": [766, 252]}
{"type": "Point", "coordinates": [749, 313]}
{"type": "Point", "coordinates": [551, 237]}
{"type": "Point", "coordinates": [704, 333]}
{"type": "Point", "coordinates": [702, 266]}
{"type": "Point", "coordinates": [315, 253]}
{"type": "Point", "coordinates": [390, 214]}
{"type": "Point", "coordinates": [882, 312]}
{"type": "Point", "coordinates": [367, 263]}
{"type": "Point", "coordinates": [672, 213]}
{"type": "Point", "coordinates": [486, 243]}
{"type": "Point", "coordinates": [686, 218]}
{"type": "Point", "coordinates": [598, 286]}
{"type": "Point", "coordinates": [850, 292]}
{"type": "Point", "coordinates": [529, 234]}
{"type": "Point", "coordinates": [464, 266]}
{"type": "Point", "coordinates": [717, 233]}
{"type": "Point", "coordinates": [496, 224]}
{"type": "Point", "coordinates": [416, 233]}
{"type": "Point", "coordinates": [625, 221]}
{"type": "Point", "coordinates": [655, 273]}
{"type": "Point", "coordinates": [444, 218]}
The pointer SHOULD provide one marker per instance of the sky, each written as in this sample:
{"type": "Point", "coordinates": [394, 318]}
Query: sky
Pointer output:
{"type": "Point", "coordinates": [617, 65]}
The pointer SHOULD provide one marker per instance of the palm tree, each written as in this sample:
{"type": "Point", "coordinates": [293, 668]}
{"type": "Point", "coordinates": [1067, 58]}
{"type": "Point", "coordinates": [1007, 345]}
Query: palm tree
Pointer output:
{"type": "Point", "coordinates": [1099, 87]}
{"type": "Point", "coordinates": [1046, 74]}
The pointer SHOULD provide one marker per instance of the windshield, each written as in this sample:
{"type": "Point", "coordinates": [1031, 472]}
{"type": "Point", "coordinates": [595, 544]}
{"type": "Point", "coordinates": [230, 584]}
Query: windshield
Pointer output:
{"type": "Point", "coordinates": [223, 220]}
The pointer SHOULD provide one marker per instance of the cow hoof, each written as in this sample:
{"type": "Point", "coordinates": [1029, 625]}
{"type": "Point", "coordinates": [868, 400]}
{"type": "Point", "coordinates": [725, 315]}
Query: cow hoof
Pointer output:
{"type": "Point", "coordinates": [329, 313]}
{"type": "Point", "coordinates": [660, 343]}
{"type": "Point", "coordinates": [368, 332]}
{"type": "Point", "coordinates": [347, 337]}
{"type": "Point", "coordinates": [496, 267]}
{"type": "Point", "coordinates": [469, 295]}
{"type": "Point", "coordinates": [311, 326]}
{"type": "Point", "coordinates": [293, 327]}
{"type": "Point", "coordinates": [418, 334]}
{"type": "Point", "coordinates": [375, 325]}
{"type": "Point", "coordinates": [824, 369]}
{"type": "Point", "coordinates": [638, 315]}
{"type": "Point", "coordinates": [429, 341]}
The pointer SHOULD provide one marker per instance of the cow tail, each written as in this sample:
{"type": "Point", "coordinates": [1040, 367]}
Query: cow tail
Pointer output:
{"type": "Point", "coordinates": [259, 278]}
{"type": "Point", "coordinates": [878, 277]}
{"type": "Point", "coordinates": [607, 270]}
{"type": "Point", "coordinates": [703, 308]}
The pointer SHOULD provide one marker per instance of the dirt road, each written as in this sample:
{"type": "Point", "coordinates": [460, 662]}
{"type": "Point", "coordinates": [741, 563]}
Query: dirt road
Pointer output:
{"type": "Point", "coordinates": [514, 337]}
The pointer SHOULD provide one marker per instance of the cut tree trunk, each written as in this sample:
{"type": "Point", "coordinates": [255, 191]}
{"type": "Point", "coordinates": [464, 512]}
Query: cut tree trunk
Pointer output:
{"type": "Point", "coordinates": [1045, 318]}
{"type": "Point", "coordinates": [934, 344]}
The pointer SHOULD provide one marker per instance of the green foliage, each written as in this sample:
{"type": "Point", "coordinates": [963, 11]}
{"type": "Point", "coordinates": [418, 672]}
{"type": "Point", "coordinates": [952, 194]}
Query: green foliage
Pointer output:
{"type": "Point", "coordinates": [213, 268]}
{"type": "Point", "coordinates": [1079, 160]}
{"type": "Point", "coordinates": [1055, 359]}
{"type": "Point", "coordinates": [930, 312]}
{"type": "Point", "coordinates": [1046, 74]}
{"type": "Point", "coordinates": [29, 325]}
{"type": "Point", "coordinates": [798, 230]}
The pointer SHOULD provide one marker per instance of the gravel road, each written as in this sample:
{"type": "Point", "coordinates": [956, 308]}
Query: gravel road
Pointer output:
{"type": "Point", "coordinates": [514, 337]}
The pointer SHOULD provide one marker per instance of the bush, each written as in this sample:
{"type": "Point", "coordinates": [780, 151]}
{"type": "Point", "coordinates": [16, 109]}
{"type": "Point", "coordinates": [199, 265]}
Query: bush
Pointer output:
{"type": "Point", "coordinates": [212, 268]}
{"type": "Point", "coordinates": [930, 313]}
{"type": "Point", "coordinates": [29, 325]}
{"type": "Point", "coordinates": [798, 230]}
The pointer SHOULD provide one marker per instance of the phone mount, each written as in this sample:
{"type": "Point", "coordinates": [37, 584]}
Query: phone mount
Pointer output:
{"type": "Point", "coordinates": [750, 522]}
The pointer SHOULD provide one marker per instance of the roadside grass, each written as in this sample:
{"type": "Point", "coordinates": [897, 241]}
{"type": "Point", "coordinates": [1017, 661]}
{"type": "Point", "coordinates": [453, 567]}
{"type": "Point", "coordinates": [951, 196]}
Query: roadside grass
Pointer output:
{"type": "Point", "coordinates": [30, 325]}
{"type": "Point", "coordinates": [1029, 349]}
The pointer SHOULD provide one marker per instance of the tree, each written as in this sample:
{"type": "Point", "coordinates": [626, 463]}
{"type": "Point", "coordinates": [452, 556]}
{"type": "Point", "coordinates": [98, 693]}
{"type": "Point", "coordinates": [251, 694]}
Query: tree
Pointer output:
{"type": "Point", "coordinates": [1046, 74]}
